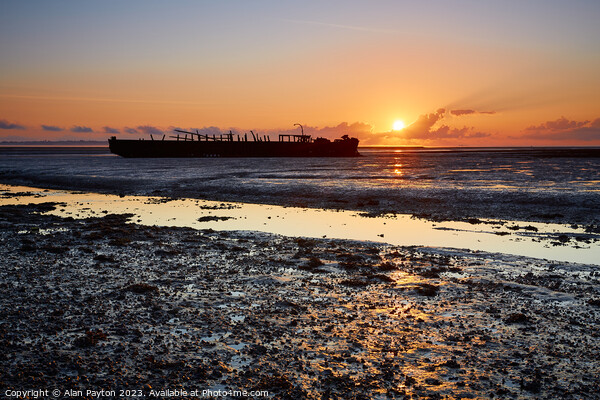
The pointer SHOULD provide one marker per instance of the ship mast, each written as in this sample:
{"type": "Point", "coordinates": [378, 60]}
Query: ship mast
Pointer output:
{"type": "Point", "coordinates": [301, 128]}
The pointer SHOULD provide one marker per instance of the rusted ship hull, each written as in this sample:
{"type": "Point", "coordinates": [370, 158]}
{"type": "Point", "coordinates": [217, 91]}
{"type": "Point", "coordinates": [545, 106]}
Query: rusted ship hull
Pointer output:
{"type": "Point", "coordinates": [180, 148]}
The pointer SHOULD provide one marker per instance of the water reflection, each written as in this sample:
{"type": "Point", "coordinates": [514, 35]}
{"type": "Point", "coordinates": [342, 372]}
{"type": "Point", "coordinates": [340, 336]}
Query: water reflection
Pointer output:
{"type": "Point", "coordinates": [540, 240]}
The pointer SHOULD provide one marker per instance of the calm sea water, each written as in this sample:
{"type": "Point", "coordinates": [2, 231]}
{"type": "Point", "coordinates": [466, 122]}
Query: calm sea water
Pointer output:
{"type": "Point", "coordinates": [513, 183]}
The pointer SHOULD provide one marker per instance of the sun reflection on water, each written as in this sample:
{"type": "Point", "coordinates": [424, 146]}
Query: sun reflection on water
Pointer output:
{"type": "Point", "coordinates": [530, 239]}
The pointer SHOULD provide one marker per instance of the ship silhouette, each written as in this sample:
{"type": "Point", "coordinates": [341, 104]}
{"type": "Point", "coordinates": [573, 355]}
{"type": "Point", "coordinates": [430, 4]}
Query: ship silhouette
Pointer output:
{"type": "Point", "coordinates": [194, 144]}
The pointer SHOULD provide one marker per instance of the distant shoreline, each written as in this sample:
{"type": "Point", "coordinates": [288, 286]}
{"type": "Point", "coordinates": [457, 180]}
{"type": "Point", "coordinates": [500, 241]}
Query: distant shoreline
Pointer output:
{"type": "Point", "coordinates": [102, 143]}
{"type": "Point", "coordinates": [51, 143]}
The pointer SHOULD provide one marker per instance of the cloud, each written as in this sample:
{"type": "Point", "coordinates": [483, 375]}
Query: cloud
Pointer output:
{"type": "Point", "coordinates": [81, 129]}
{"type": "Point", "coordinates": [446, 132]}
{"type": "Point", "coordinates": [209, 130]}
{"type": "Point", "coordinates": [52, 128]}
{"type": "Point", "coordinates": [462, 112]}
{"type": "Point", "coordinates": [357, 128]}
{"type": "Point", "coordinates": [13, 138]}
{"type": "Point", "coordinates": [426, 121]}
{"type": "Point", "coordinates": [149, 130]}
{"type": "Point", "coordinates": [331, 132]}
{"type": "Point", "coordinates": [564, 129]}
{"type": "Point", "coordinates": [430, 127]}
{"type": "Point", "coordinates": [422, 127]}
{"type": "Point", "coordinates": [478, 135]}
{"type": "Point", "coordinates": [4, 124]}
{"type": "Point", "coordinates": [469, 112]}
{"type": "Point", "coordinates": [560, 124]}
{"type": "Point", "coordinates": [108, 129]}
{"type": "Point", "coordinates": [130, 130]}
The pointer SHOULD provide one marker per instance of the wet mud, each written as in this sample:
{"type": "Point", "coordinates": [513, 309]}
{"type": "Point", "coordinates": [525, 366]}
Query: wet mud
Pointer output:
{"type": "Point", "coordinates": [105, 303]}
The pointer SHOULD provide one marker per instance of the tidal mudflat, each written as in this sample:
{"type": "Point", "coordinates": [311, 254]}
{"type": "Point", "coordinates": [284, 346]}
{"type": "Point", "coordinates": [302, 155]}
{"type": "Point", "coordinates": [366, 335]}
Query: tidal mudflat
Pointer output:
{"type": "Point", "coordinates": [105, 302]}
{"type": "Point", "coordinates": [553, 241]}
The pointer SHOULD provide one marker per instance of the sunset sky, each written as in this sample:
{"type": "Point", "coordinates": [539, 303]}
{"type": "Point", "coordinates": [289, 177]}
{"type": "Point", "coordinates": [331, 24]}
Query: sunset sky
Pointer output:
{"type": "Point", "coordinates": [492, 73]}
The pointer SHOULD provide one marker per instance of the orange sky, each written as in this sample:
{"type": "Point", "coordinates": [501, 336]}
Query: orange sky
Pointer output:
{"type": "Point", "coordinates": [456, 72]}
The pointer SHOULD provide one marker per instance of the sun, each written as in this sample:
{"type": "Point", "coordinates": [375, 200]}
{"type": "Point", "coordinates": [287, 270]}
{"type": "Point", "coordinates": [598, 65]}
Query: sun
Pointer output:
{"type": "Point", "coordinates": [398, 125]}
